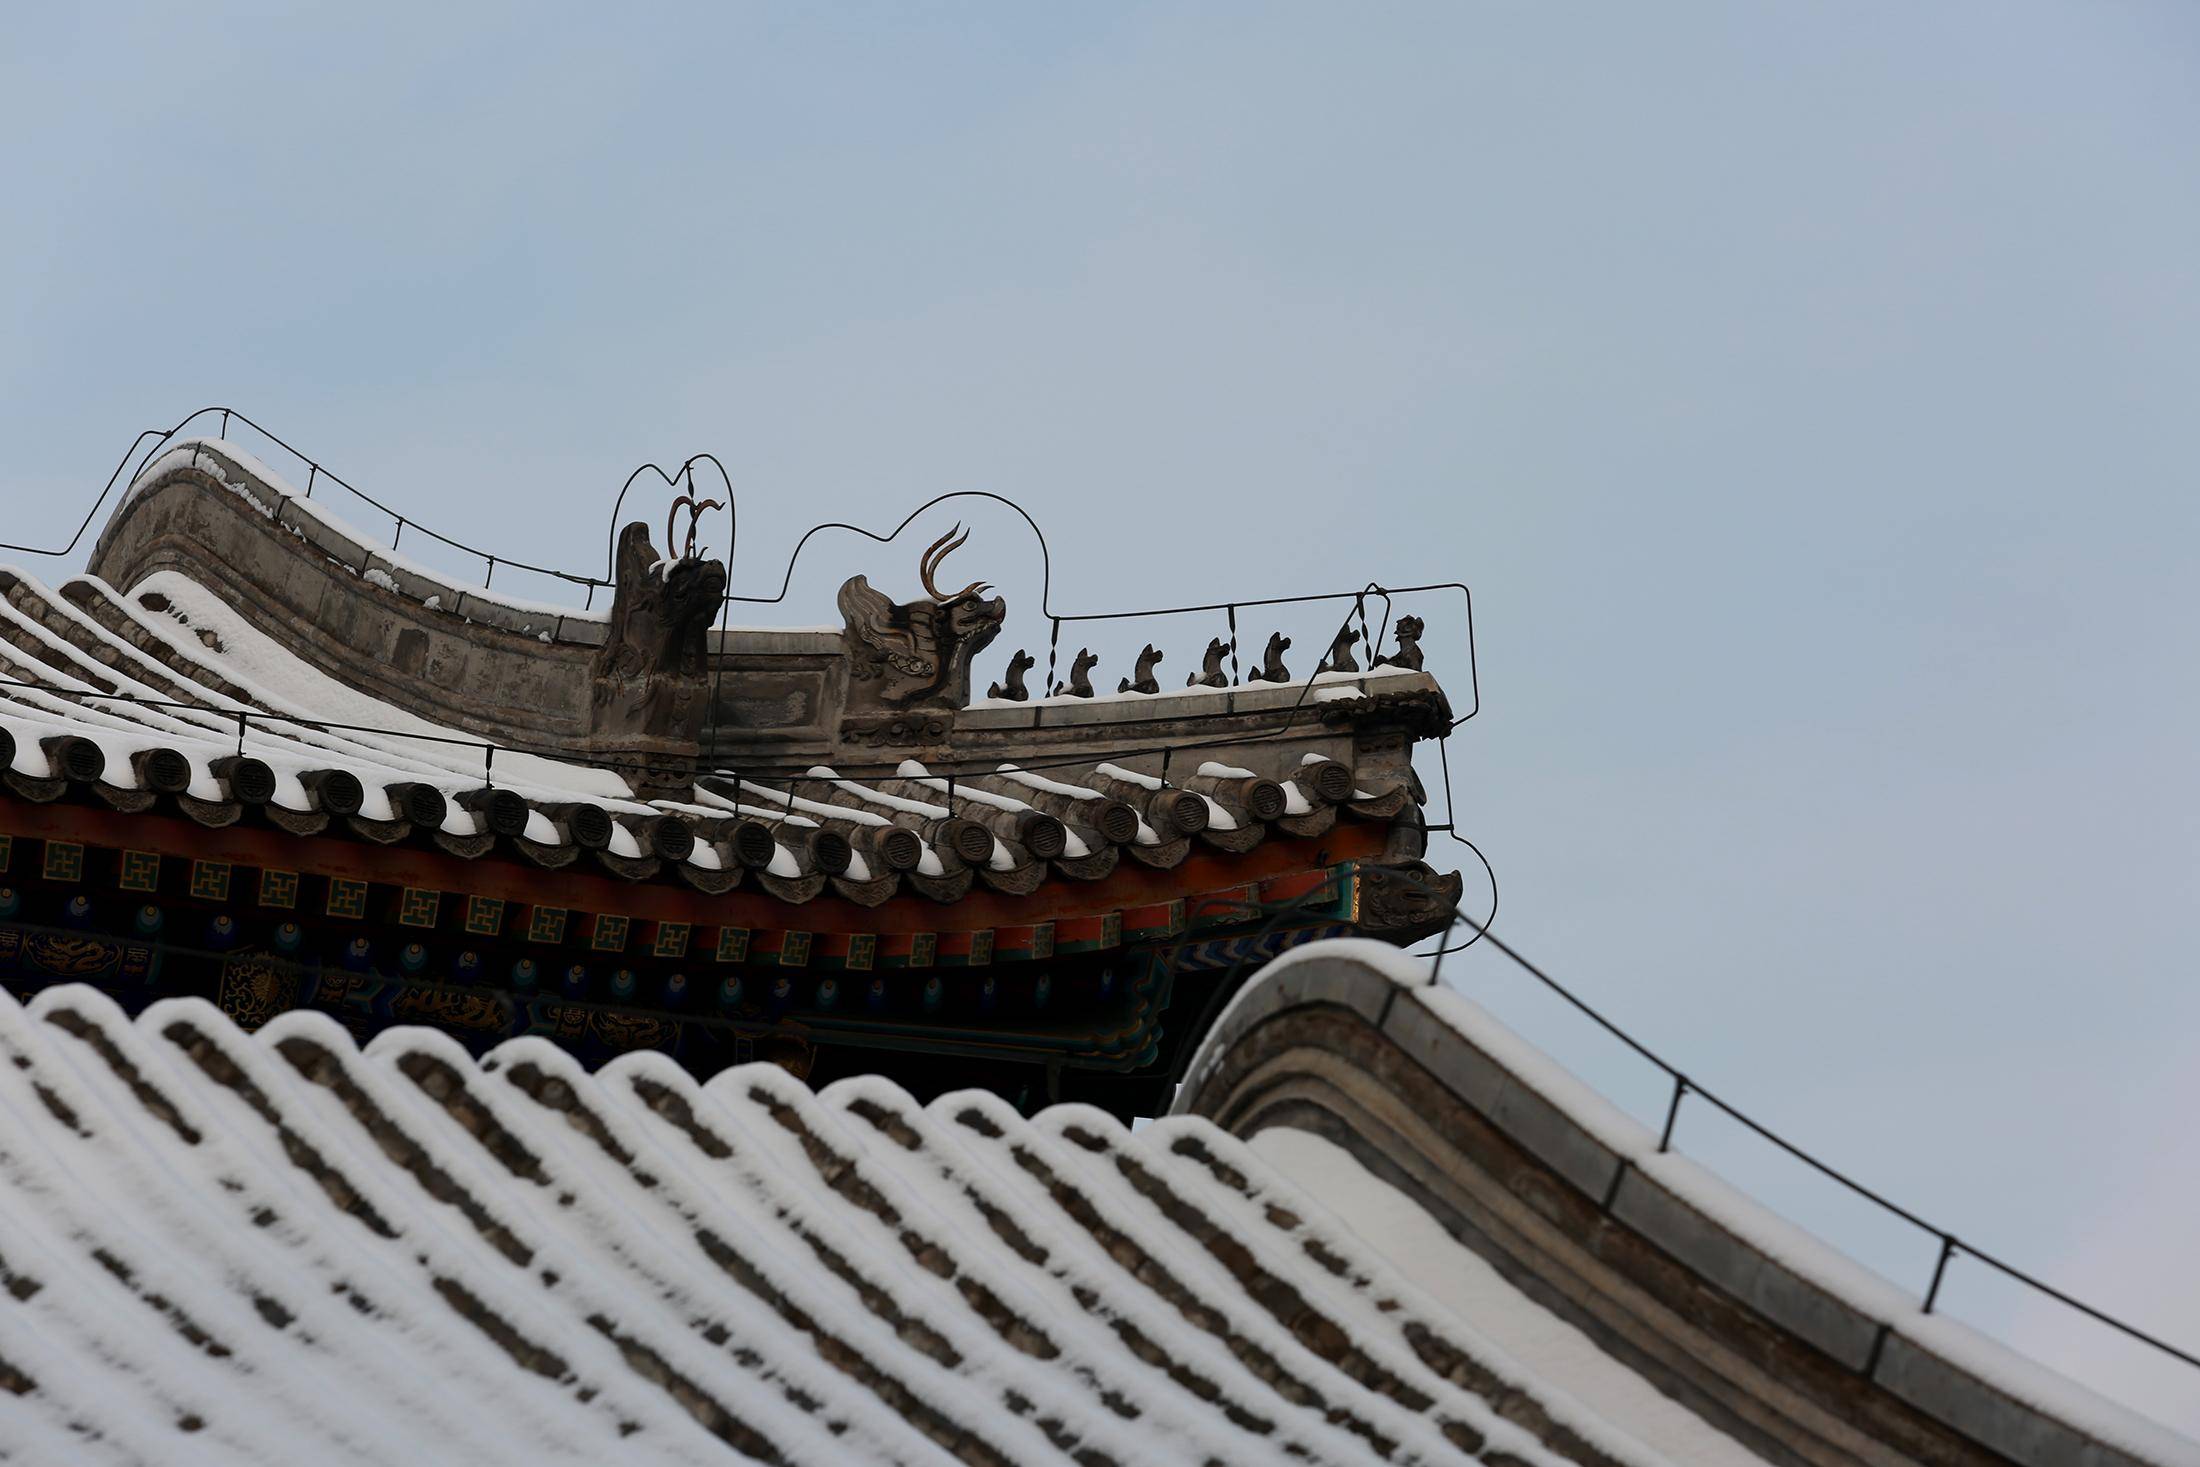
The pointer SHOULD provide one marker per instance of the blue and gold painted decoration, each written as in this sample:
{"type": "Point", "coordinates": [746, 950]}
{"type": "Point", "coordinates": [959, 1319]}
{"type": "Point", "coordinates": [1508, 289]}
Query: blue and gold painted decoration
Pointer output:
{"type": "Point", "coordinates": [418, 906]}
{"type": "Point", "coordinates": [76, 957]}
{"type": "Point", "coordinates": [255, 988]}
{"type": "Point", "coordinates": [139, 871]}
{"type": "Point", "coordinates": [546, 924]}
{"type": "Point", "coordinates": [462, 1010]}
{"type": "Point", "coordinates": [615, 1032]}
{"type": "Point", "coordinates": [484, 916]}
{"type": "Point", "coordinates": [210, 881]}
{"type": "Point", "coordinates": [64, 861]}
{"type": "Point", "coordinates": [1253, 947]}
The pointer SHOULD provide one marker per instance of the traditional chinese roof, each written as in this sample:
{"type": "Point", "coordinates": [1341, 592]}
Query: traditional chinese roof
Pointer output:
{"type": "Point", "coordinates": [225, 1248]}
{"type": "Point", "coordinates": [135, 700]}
{"type": "Point", "coordinates": [190, 686]}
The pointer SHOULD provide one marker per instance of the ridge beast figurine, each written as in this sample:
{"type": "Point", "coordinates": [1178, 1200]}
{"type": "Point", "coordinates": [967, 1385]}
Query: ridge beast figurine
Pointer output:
{"type": "Point", "coordinates": [918, 653]}
{"type": "Point", "coordinates": [649, 681]}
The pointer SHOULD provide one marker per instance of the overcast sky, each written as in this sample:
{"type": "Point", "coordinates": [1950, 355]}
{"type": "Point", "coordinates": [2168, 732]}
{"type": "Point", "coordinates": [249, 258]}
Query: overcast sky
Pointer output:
{"type": "Point", "coordinates": [1808, 394]}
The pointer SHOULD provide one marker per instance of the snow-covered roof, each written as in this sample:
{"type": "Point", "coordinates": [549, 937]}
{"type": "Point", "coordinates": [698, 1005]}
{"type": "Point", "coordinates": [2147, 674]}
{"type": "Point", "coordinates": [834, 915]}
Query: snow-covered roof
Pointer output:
{"type": "Point", "coordinates": [171, 671]}
{"type": "Point", "coordinates": [219, 1247]}
{"type": "Point", "coordinates": [277, 1248]}
{"type": "Point", "coordinates": [1602, 1255]}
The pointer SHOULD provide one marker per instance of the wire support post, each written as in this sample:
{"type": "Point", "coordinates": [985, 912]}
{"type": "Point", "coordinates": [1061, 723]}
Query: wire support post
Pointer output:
{"type": "Point", "coordinates": [1948, 1247]}
{"type": "Point", "coordinates": [1681, 1088]}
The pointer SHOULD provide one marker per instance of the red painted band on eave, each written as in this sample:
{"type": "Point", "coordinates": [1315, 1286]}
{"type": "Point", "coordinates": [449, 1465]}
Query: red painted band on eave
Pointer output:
{"type": "Point", "coordinates": [1128, 886]}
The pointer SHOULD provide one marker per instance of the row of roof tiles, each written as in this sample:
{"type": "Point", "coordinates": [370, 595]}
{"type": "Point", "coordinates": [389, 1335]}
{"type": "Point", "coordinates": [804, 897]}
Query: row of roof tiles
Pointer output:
{"type": "Point", "coordinates": [143, 702]}
{"type": "Point", "coordinates": [279, 1248]}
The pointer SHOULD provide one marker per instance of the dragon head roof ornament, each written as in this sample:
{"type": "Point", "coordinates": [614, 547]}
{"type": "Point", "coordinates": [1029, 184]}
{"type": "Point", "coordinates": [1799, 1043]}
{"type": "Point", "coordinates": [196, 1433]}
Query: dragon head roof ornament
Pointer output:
{"type": "Point", "coordinates": [939, 550]}
{"type": "Point", "coordinates": [917, 654]}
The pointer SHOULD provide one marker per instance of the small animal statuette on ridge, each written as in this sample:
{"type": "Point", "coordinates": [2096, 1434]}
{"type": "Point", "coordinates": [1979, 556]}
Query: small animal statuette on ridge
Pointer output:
{"type": "Point", "coordinates": [1271, 668]}
{"type": "Point", "coordinates": [1340, 657]}
{"type": "Point", "coordinates": [1210, 674]}
{"type": "Point", "coordinates": [1143, 681]}
{"type": "Point", "coordinates": [1014, 689]}
{"type": "Point", "coordinates": [1408, 654]}
{"type": "Point", "coordinates": [1080, 674]}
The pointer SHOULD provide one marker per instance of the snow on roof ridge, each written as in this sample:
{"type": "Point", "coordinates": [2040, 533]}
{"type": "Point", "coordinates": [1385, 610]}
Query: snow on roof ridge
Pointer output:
{"type": "Point", "coordinates": [185, 452]}
{"type": "Point", "coordinates": [1997, 1364]}
{"type": "Point", "coordinates": [288, 499]}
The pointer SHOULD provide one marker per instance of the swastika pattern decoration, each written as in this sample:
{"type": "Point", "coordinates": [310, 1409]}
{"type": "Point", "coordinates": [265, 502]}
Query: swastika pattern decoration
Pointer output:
{"type": "Point", "coordinates": [418, 907]}
{"type": "Point", "coordinates": [64, 861]}
{"type": "Point", "coordinates": [210, 880]}
{"type": "Point", "coordinates": [278, 888]}
{"type": "Point", "coordinates": [140, 871]}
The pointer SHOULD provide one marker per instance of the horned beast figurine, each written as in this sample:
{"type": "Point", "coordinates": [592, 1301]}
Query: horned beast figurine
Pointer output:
{"type": "Point", "coordinates": [1013, 690]}
{"type": "Point", "coordinates": [1210, 674]}
{"type": "Point", "coordinates": [649, 680]}
{"type": "Point", "coordinates": [1143, 681]}
{"type": "Point", "coordinates": [918, 653]}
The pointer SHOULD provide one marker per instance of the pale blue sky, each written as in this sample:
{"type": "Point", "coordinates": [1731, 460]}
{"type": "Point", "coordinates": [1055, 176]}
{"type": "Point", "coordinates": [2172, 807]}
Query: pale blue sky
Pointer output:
{"type": "Point", "coordinates": [1807, 391]}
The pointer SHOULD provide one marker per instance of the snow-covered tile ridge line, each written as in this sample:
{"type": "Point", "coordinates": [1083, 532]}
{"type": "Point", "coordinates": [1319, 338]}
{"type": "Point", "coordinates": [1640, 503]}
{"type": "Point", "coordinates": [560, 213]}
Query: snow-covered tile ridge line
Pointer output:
{"type": "Point", "coordinates": [1982, 1384]}
{"type": "Point", "coordinates": [171, 693]}
{"type": "Point", "coordinates": [382, 565]}
{"type": "Point", "coordinates": [279, 1247]}
{"type": "Point", "coordinates": [274, 497]}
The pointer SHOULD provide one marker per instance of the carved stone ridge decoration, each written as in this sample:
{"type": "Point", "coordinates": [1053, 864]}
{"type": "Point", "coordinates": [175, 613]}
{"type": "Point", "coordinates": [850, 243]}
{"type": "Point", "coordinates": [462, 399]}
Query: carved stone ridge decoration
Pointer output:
{"type": "Point", "coordinates": [1143, 680]}
{"type": "Point", "coordinates": [1080, 674]}
{"type": "Point", "coordinates": [916, 654]}
{"type": "Point", "coordinates": [1013, 689]}
{"type": "Point", "coordinates": [1408, 901]}
{"type": "Point", "coordinates": [1423, 712]}
{"type": "Point", "coordinates": [1408, 654]}
{"type": "Point", "coordinates": [649, 681]}
{"type": "Point", "coordinates": [902, 731]}
{"type": "Point", "coordinates": [1210, 674]}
